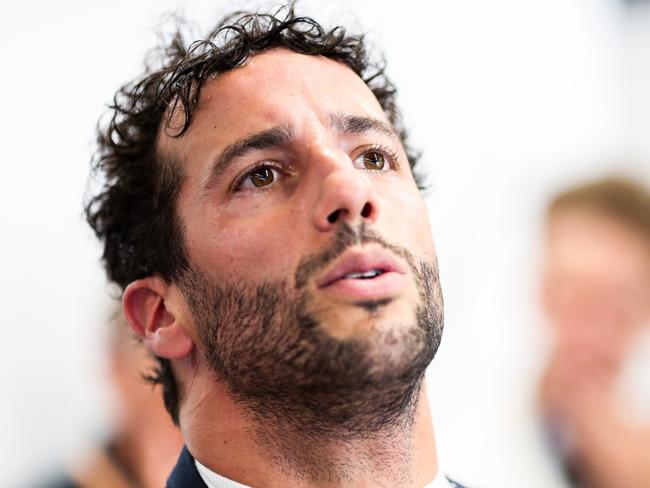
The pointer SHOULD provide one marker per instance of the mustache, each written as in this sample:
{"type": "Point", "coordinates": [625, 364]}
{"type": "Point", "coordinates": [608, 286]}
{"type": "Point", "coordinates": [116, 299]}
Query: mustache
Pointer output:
{"type": "Point", "coordinates": [346, 236]}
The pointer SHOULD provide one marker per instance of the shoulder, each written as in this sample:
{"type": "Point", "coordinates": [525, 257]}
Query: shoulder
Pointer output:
{"type": "Point", "coordinates": [185, 474]}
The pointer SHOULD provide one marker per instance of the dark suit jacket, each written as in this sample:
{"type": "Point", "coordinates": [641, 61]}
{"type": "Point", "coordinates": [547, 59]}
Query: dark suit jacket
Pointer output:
{"type": "Point", "coordinates": [185, 474]}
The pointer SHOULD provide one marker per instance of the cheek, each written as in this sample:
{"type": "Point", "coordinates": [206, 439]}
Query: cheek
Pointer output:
{"type": "Point", "coordinates": [406, 221]}
{"type": "Point", "coordinates": [250, 249]}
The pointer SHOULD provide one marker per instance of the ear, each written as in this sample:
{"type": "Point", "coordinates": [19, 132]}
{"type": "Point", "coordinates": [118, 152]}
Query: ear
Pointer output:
{"type": "Point", "coordinates": [151, 312]}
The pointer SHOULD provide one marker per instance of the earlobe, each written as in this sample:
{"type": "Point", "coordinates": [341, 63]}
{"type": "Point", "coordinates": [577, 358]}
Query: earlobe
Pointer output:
{"type": "Point", "coordinates": [152, 317]}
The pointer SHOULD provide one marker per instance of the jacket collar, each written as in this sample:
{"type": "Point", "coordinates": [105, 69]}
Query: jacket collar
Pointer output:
{"type": "Point", "coordinates": [185, 474]}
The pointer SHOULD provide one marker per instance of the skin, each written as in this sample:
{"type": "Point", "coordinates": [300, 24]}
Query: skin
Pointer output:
{"type": "Point", "coordinates": [146, 443]}
{"type": "Point", "coordinates": [597, 297]}
{"type": "Point", "coordinates": [260, 234]}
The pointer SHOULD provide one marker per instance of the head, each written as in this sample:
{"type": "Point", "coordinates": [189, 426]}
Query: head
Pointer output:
{"type": "Point", "coordinates": [597, 276]}
{"type": "Point", "coordinates": [262, 214]}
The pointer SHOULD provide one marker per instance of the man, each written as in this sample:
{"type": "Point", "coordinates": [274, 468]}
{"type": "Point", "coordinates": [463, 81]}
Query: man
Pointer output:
{"type": "Point", "coordinates": [261, 214]}
{"type": "Point", "coordinates": [595, 391]}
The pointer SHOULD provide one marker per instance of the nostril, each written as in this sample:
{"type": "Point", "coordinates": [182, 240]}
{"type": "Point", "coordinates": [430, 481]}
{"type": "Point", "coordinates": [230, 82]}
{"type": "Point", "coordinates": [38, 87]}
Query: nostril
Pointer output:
{"type": "Point", "coordinates": [366, 210]}
{"type": "Point", "coordinates": [333, 217]}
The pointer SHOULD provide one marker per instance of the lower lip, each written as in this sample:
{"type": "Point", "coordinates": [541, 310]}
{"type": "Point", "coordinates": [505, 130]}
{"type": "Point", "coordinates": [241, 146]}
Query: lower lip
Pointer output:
{"type": "Point", "coordinates": [386, 285]}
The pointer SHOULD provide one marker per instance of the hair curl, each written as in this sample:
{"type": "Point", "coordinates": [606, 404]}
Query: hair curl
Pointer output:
{"type": "Point", "coordinates": [133, 212]}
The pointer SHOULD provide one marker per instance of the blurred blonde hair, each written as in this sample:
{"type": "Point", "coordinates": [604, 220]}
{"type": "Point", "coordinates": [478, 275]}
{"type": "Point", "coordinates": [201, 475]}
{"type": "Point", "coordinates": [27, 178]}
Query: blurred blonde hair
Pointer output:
{"type": "Point", "coordinates": [616, 197]}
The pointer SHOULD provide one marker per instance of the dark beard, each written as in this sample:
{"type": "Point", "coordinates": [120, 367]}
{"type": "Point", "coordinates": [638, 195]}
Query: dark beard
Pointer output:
{"type": "Point", "coordinates": [281, 365]}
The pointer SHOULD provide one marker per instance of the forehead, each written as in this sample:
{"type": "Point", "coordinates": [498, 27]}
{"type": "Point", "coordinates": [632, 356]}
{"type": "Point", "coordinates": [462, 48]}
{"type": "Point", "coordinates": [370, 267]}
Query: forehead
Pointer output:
{"type": "Point", "coordinates": [588, 242]}
{"type": "Point", "coordinates": [298, 76]}
{"type": "Point", "coordinates": [274, 87]}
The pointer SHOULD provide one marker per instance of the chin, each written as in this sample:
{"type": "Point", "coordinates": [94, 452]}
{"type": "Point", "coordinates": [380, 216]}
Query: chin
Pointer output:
{"type": "Point", "coordinates": [367, 319]}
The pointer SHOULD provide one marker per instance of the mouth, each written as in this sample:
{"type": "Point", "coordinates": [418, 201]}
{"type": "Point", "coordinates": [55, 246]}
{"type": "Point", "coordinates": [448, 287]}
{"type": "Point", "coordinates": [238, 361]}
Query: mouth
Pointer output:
{"type": "Point", "coordinates": [365, 274]}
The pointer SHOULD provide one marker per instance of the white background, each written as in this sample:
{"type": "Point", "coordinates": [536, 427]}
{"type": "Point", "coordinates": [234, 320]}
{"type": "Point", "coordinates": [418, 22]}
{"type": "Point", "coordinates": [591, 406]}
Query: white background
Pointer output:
{"type": "Point", "coordinates": [509, 100]}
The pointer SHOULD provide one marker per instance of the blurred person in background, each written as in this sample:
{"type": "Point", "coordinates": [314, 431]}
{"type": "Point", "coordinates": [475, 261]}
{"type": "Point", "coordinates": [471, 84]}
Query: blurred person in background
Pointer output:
{"type": "Point", "coordinates": [595, 389]}
{"type": "Point", "coordinates": [144, 445]}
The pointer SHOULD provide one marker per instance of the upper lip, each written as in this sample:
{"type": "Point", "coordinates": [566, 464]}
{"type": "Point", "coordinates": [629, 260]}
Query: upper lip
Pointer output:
{"type": "Point", "coordinates": [360, 261]}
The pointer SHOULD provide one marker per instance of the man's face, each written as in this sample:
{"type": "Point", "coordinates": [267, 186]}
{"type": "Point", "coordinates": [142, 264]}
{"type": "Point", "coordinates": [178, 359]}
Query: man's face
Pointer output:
{"type": "Point", "coordinates": [597, 281]}
{"type": "Point", "coordinates": [299, 206]}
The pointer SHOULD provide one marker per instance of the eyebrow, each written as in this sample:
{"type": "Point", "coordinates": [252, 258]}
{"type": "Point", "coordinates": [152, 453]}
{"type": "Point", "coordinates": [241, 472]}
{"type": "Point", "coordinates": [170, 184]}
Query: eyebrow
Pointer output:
{"type": "Point", "coordinates": [283, 134]}
{"type": "Point", "coordinates": [276, 136]}
{"type": "Point", "coordinates": [361, 124]}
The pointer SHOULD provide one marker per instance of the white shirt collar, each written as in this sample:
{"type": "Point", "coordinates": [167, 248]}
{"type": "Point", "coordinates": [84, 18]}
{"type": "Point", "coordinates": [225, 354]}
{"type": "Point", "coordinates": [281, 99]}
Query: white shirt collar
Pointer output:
{"type": "Point", "coordinates": [214, 480]}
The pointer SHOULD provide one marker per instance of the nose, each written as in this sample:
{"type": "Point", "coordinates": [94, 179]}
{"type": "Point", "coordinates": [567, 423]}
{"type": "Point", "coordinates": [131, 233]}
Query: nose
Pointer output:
{"type": "Point", "coordinates": [345, 195]}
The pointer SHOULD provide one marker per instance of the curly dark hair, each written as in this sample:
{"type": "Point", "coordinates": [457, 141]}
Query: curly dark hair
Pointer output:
{"type": "Point", "coordinates": [133, 212]}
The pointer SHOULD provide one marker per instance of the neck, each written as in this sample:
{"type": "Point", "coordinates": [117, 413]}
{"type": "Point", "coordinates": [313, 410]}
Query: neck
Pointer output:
{"type": "Point", "coordinates": [228, 440]}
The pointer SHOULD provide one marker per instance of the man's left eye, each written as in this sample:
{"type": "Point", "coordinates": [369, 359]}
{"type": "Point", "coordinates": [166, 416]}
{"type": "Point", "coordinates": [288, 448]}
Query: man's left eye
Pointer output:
{"type": "Point", "coordinates": [372, 161]}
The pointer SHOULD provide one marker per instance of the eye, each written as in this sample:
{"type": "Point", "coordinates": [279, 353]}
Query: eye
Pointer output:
{"type": "Point", "coordinates": [379, 159]}
{"type": "Point", "coordinates": [260, 177]}
{"type": "Point", "coordinates": [374, 160]}
{"type": "Point", "coordinates": [263, 176]}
